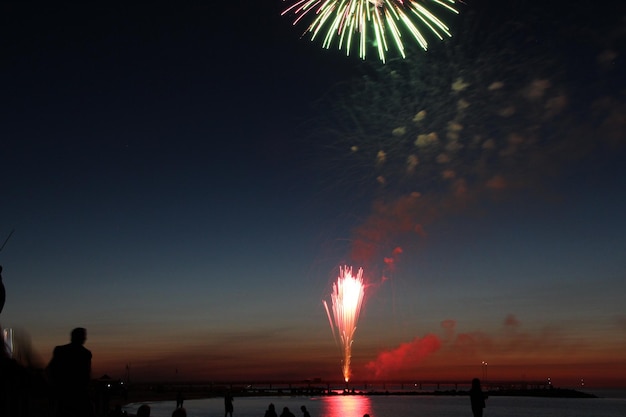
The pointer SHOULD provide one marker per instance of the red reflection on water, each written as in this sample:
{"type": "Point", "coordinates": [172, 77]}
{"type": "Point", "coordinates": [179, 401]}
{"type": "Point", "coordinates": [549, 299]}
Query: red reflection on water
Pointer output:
{"type": "Point", "coordinates": [346, 406]}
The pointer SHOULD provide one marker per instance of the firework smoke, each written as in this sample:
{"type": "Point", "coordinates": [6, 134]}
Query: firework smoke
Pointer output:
{"type": "Point", "coordinates": [347, 298]}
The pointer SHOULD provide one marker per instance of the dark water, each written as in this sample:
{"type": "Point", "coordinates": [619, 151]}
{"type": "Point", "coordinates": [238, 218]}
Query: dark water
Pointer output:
{"type": "Point", "coordinates": [400, 406]}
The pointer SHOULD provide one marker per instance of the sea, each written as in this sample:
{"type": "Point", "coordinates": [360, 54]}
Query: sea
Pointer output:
{"type": "Point", "coordinates": [611, 404]}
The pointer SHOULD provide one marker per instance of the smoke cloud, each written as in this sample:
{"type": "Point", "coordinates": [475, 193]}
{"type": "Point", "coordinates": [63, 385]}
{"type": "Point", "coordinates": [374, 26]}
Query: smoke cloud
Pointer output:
{"type": "Point", "coordinates": [407, 355]}
{"type": "Point", "coordinates": [454, 353]}
{"type": "Point", "coordinates": [386, 223]}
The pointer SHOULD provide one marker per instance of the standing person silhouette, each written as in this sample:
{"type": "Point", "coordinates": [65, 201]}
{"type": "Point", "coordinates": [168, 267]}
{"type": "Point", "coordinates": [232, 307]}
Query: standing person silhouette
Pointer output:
{"type": "Point", "coordinates": [305, 412]}
{"type": "Point", "coordinates": [228, 404]}
{"type": "Point", "coordinates": [70, 373]}
{"type": "Point", "coordinates": [477, 398]}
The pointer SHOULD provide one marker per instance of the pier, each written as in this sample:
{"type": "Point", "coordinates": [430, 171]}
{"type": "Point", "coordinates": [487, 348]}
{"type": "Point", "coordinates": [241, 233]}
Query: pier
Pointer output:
{"type": "Point", "coordinates": [321, 387]}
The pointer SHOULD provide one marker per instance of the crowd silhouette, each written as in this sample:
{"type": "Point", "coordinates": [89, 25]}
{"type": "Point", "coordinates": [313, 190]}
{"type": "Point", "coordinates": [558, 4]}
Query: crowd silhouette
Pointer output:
{"type": "Point", "coordinates": [62, 389]}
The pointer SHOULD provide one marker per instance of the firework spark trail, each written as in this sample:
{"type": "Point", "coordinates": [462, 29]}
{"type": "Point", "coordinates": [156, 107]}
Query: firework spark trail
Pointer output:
{"type": "Point", "coordinates": [346, 302]}
{"type": "Point", "coordinates": [379, 19]}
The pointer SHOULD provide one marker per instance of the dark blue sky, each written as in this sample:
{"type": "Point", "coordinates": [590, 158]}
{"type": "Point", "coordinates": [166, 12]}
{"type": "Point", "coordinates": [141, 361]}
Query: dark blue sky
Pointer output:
{"type": "Point", "coordinates": [174, 187]}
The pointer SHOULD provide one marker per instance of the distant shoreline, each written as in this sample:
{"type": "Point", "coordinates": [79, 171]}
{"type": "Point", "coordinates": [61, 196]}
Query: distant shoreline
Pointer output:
{"type": "Point", "coordinates": [152, 393]}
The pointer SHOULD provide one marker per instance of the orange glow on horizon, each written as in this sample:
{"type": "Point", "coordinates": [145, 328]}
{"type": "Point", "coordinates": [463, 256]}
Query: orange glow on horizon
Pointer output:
{"type": "Point", "coordinates": [513, 353]}
{"type": "Point", "coordinates": [296, 365]}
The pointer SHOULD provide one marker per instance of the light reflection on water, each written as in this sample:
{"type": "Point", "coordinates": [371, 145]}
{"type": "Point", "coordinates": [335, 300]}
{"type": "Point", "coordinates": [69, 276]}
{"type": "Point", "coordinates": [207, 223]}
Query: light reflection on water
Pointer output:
{"type": "Point", "coordinates": [351, 405]}
{"type": "Point", "coordinates": [327, 406]}
{"type": "Point", "coordinates": [398, 406]}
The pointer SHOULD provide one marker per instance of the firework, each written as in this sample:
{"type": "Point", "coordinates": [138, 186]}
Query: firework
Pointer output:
{"type": "Point", "coordinates": [347, 298]}
{"type": "Point", "coordinates": [380, 22]}
{"type": "Point", "coordinates": [474, 120]}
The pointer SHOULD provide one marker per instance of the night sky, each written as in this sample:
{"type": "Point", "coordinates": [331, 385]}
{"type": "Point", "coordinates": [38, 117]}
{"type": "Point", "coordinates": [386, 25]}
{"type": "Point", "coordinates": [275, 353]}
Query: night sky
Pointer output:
{"type": "Point", "coordinates": [185, 180]}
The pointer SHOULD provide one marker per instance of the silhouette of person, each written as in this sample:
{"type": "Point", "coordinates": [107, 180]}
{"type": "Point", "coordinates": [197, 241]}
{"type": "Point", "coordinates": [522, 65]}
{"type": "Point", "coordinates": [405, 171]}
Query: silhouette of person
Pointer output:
{"type": "Point", "coordinates": [70, 373]}
{"type": "Point", "coordinates": [228, 404]}
{"type": "Point", "coordinates": [143, 410]}
{"type": "Point", "coordinates": [3, 293]}
{"type": "Point", "coordinates": [180, 398]}
{"type": "Point", "coordinates": [271, 411]}
{"type": "Point", "coordinates": [286, 413]}
{"type": "Point", "coordinates": [305, 412]}
{"type": "Point", "coordinates": [179, 412]}
{"type": "Point", "coordinates": [477, 398]}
